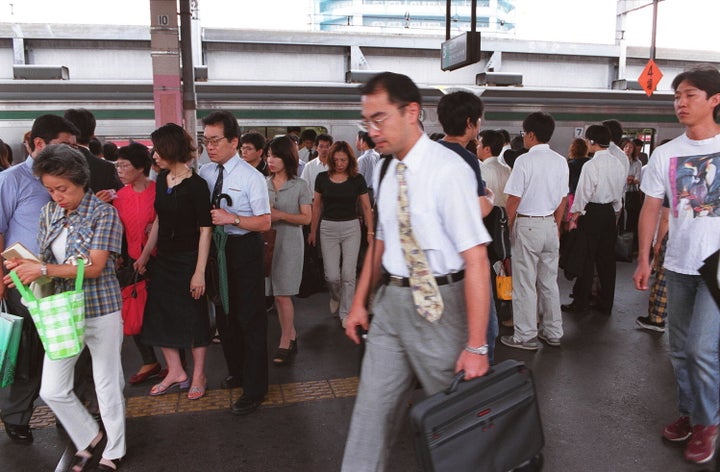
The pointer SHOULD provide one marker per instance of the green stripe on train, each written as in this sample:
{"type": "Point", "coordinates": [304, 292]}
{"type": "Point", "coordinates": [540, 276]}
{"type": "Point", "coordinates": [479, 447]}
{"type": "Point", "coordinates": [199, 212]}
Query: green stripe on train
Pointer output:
{"type": "Point", "coordinates": [584, 117]}
{"type": "Point", "coordinates": [8, 115]}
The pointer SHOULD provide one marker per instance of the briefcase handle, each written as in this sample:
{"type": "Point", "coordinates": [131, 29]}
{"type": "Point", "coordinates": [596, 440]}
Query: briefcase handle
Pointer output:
{"type": "Point", "coordinates": [459, 378]}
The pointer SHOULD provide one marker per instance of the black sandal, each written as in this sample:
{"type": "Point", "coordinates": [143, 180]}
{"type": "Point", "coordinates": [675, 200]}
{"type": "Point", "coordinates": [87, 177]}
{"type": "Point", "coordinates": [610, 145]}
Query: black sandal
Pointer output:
{"type": "Point", "coordinates": [282, 356]}
{"type": "Point", "coordinates": [106, 468]}
{"type": "Point", "coordinates": [80, 462]}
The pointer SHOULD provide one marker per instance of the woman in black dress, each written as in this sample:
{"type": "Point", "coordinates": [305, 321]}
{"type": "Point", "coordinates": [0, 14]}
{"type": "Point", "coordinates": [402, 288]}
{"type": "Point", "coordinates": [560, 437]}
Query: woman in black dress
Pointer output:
{"type": "Point", "coordinates": [176, 310]}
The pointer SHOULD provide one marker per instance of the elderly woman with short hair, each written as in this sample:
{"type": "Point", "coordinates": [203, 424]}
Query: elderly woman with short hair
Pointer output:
{"type": "Point", "coordinates": [77, 225]}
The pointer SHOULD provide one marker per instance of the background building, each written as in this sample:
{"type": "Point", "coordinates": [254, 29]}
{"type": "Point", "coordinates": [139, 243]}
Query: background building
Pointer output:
{"type": "Point", "coordinates": [411, 16]}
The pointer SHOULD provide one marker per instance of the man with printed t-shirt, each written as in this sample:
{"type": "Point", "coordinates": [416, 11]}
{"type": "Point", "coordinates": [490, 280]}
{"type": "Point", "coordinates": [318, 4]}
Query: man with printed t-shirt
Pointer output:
{"type": "Point", "coordinates": [686, 171]}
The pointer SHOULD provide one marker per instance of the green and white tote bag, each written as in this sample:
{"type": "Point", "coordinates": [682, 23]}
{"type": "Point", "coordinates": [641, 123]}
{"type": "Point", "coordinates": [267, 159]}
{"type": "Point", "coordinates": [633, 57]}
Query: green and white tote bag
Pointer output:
{"type": "Point", "coordinates": [59, 318]}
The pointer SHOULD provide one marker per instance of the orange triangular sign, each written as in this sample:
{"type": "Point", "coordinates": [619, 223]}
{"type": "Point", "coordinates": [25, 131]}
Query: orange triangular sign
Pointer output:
{"type": "Point", "coordinates": [650, 77]}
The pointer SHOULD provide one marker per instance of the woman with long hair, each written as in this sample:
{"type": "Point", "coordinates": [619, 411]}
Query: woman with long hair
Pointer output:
{"type": "Point", "coordinates": [291, 206]}
{"type": "Point", "coordinates": [633, 196]}
{"type": "Point", "coordinates": [176, 310]}
{"type": "Point", "coordinates": [335, 213]}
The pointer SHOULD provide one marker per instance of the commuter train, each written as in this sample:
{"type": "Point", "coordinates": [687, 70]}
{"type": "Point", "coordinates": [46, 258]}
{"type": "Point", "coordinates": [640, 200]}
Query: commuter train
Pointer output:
{"type": "Point", "coordinates": [124, 109]}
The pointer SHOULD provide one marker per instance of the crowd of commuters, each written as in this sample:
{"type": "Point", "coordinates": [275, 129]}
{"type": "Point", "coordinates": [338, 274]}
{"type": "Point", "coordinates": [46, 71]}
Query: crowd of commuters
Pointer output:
{"type": "Point", "coordinates": [196, 234]}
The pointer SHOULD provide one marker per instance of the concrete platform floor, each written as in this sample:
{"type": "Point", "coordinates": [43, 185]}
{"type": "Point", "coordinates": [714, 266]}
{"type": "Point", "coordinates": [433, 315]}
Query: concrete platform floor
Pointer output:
{"type": "Point", "coordinates": [604, 396]}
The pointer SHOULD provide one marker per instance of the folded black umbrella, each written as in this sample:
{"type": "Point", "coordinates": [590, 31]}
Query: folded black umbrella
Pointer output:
{"type": "Point", "coordinates": [709, 273]}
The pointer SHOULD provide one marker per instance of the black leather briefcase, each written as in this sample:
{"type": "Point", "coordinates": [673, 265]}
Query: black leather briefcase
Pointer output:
{"type": "Point", "coordinates": [488, 424]}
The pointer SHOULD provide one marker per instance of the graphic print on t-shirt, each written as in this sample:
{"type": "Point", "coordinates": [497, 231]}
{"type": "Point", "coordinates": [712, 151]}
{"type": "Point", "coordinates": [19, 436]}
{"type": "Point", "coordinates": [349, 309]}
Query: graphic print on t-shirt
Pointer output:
{"type": "Point", "coordinates": [695, 186]}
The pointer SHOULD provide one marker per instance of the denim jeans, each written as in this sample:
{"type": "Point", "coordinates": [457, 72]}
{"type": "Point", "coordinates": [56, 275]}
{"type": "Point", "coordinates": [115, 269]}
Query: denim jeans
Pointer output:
{"type": "Point", "coordinates": [694, 330]}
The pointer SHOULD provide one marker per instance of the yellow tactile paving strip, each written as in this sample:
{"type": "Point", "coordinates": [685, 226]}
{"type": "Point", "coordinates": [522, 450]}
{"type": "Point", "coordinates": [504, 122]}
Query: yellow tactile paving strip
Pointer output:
{"type": "Point", "coordinates": [220, 399]}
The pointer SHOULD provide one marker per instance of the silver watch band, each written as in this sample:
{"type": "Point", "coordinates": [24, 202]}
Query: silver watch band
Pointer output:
{"type": "Point", "coordinates": [480, 351]}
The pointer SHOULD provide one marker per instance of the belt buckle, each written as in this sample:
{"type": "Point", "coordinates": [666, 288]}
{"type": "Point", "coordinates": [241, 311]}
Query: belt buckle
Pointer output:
{"type": "Point", "coordinates": [395, 280]}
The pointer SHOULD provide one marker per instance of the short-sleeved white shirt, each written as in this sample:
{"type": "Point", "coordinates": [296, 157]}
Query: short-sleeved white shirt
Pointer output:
{"type": "Point", "coordinates": [495, 176]}
{"type": "Point", "coordinates": [540, 178]}
{"type": "Point", "coordinates": [311, 171]}
{"type": "Point", "coordinates": [688, 172]}
{"type": "Point", "coordinates": [444, 209]}
{"type": "Point", "coordinates": [602, 180]}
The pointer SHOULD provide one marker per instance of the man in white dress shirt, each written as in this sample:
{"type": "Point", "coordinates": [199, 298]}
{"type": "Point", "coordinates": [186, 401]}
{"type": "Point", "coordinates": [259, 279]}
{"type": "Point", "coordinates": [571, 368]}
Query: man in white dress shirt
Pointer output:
{"type": "Point", "coordinates": [319, 164]}
{"type": "Point", "coordinates": [445, 222]}
{"type": "Point", "coordinates": [367, 159]}
{"type": "Point", "coordinates": [307, 140]}
{"type": "Point", "coordinates": [616, 135]}
{"type": "Point", "coordinates": [597, 199]}
{"type": "Point", "coordinates": [494, 173]}
{"type": "Point", "coordinates": [537, 192]}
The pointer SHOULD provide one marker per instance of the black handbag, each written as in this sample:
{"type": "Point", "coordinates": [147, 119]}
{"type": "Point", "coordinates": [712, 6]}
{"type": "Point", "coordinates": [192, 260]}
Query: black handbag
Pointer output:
{"type": "Point", "coordinates": [496, 223]}
{"type": "Point", "coordinates": [491, 423]}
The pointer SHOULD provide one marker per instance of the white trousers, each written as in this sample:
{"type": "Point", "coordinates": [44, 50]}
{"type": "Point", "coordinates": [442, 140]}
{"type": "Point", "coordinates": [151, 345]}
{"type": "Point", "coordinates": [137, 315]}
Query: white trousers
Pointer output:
{"type": "Point", "coordinates": [103, 336]}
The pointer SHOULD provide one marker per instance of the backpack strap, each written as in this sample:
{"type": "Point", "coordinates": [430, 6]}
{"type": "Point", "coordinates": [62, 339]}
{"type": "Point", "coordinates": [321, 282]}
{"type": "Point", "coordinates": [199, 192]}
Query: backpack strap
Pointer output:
{"type": "Point", "coordinates": [386, 160]}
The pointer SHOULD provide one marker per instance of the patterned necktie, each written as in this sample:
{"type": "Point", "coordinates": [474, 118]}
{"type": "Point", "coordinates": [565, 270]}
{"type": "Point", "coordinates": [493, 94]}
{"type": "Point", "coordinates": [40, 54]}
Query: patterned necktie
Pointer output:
{"type": "Point", "coordinates": [426, 294]}
{"type": "Point", "coordinates": [217, 190]}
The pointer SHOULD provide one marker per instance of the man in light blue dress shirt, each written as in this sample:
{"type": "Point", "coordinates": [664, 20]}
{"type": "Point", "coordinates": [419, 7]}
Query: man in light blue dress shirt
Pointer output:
{"type": "Point", "coordinates": [244, 217]}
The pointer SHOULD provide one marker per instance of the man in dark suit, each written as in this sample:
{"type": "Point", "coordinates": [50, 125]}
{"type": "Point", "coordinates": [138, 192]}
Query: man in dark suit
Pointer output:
{"type": "Point", "coordinates": [103, 175]}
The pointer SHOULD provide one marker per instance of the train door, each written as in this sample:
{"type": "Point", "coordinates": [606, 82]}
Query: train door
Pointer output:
{"type": "Point", "coordinates": [646, 135]}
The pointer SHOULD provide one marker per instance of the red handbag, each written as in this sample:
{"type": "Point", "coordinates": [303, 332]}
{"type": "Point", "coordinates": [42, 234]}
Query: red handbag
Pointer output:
{"type": "Point", "coordinates": [134, 297]}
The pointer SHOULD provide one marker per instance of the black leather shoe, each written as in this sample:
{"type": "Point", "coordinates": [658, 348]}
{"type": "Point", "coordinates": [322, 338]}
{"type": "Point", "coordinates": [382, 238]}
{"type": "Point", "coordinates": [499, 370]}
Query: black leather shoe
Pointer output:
{"type": "Point", "coordinates": [19, 433]}
{"type": "Point", "coordinates": [245, 406]}
{"type": "Point", "coordinates": [231, 381]}
{"type": "Point", "coordinates": [573, 308]}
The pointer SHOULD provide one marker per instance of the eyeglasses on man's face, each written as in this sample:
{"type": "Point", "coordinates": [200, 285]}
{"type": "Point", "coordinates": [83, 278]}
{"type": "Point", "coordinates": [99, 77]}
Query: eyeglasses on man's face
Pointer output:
{"type": "Point", "coordinates": [377, 121]}
{"type": "Point", "coordinates": [211, 141]}
{"type": "Point", "coordinates": [247, 148]}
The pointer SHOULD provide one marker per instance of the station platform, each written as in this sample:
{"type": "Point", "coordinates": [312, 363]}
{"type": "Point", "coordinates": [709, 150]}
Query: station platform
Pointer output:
{"type": "Point", "coordinates": [604, 396]}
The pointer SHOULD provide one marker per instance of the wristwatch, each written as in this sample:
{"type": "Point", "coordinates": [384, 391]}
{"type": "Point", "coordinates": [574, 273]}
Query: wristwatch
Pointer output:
{"type": "Point", "coordinates": [236, 221]}
{"type": "Point", "coordinates": [480, 351]}
{"type": "Point", "coordinates": [43, 269]}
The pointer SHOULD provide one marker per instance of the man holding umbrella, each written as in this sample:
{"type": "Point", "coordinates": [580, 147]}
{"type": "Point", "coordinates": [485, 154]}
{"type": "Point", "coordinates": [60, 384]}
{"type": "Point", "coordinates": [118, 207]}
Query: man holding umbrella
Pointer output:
{"type": "Point", "coordinates": [243, 215]}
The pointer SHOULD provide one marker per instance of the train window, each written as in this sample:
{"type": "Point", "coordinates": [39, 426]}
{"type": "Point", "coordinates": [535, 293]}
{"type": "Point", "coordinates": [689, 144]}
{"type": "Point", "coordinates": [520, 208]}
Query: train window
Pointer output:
{"type": "Point", "coordinates": [272, 131]}
{"type": "Point", "coordinates": [646, 135]}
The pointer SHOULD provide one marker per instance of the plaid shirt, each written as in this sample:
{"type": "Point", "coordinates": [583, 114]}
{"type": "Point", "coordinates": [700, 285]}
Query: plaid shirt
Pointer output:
{"type": "Point", "coordinates": [94, 225]}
